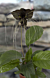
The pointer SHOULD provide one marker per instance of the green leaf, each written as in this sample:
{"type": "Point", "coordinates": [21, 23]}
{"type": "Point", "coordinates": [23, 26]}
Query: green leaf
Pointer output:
{"type": "Point", "coordinates": [33, 34]}
{"type": "Point", "coordinates": [40, 74]}
{"type": "Point", "coordinates": [18, 72]}
{"type": "Point", "coordinates": [9, 66]}
{"type": "Point", "coordinates": [28, 55]}
{"type": "Point", "coordinates": [35, 53]}
{"type": "Point", "coordinates": [39, 69]}
{"type": "Point", "coordinates": [1, 53]}
{"type": "Point", "coordinates": [29, 35]}
{"type": "Point", "coordinates": [36, 76]}
{"type": "Point", "coordinates": [8, 56]}
{"type": "Point", "coordinates": [28, 70]}
{"type": "Point", "coordinates": [42, 59]}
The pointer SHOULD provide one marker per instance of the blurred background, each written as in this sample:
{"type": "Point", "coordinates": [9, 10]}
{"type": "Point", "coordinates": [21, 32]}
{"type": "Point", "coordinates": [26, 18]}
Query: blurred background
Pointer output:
{"type": "Point", "coordinates": [10, 32]}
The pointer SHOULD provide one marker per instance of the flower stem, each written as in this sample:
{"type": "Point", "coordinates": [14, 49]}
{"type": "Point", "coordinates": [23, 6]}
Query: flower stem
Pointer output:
{"type": "Point", "coordinates": [21, 42]}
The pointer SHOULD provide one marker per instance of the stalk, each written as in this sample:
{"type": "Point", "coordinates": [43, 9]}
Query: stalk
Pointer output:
{"type": "Point", "coordinates": [21, 42]}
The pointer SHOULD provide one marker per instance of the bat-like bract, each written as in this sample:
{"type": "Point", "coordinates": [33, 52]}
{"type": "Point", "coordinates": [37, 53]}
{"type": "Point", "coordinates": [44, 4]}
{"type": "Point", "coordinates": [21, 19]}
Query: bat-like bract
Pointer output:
{"type": "Point", "coordinates": [22, 15]}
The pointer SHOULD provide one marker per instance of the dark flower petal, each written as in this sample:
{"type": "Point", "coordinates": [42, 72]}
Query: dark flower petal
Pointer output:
{"type": "Point", "coordinates": [22, 13]}
{"type": "Point", "coordinates": [29, 13]}
{"type": "Point", "coordinates": [16, 14]}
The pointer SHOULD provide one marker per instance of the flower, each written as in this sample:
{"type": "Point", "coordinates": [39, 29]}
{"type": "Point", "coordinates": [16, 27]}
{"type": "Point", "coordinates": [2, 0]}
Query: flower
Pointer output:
{"type": "Point", "coordinates": [22, 15]}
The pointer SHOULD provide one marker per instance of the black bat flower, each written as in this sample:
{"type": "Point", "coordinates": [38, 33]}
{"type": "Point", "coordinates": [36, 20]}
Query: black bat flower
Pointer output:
{"type": "Point", "coordinates": [22, 15]}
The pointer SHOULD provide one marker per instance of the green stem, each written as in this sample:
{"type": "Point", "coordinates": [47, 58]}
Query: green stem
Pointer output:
{"type": "Point", "coordinates": [21, 42]}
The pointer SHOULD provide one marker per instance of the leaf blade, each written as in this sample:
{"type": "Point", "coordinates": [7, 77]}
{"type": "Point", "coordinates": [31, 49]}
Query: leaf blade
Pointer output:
{"type": "Point", "coordinates": [29, 35]}
{"type": "Point", "coordinates": [42, 59]}
{"type": "Point", "coordinates": [28, 55]}
{"type": "Point", "coordinates": [40, 74]}
{"type": "Point", "coordinates": [9, 66]}
{"type": "Point", "coordinates": [28, 70]}
{"type": "Point", "coordinates": [33, 34]}
{"type": "Point", "coordinates": [35, 53]}
{"type": "Point", "coordinates": [8, 56]}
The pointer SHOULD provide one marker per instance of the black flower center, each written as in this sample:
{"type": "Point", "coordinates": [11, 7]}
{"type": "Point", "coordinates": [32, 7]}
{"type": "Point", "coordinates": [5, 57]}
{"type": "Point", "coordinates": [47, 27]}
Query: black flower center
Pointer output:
{"type": "Point", "coordinates": [22, 13]}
